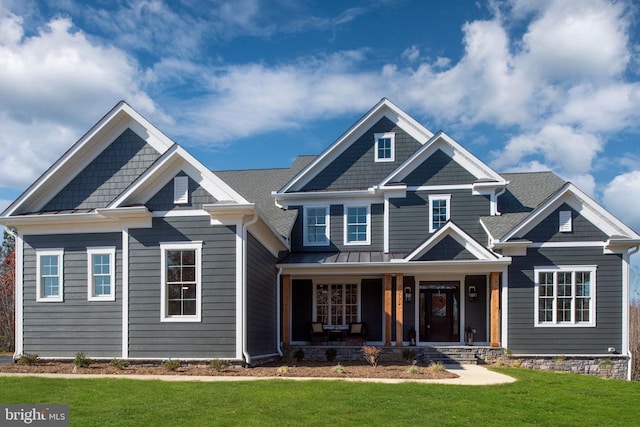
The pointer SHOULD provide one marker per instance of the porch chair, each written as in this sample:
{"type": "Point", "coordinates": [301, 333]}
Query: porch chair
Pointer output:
{"type": "Point", "coordinates": [357, 333]}
{"type": "Point", "coordinates": [317, 333]}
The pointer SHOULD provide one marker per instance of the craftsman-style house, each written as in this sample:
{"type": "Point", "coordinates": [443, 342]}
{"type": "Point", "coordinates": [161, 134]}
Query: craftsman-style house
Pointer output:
{"type": "Point", "coordinates": [129, 247]}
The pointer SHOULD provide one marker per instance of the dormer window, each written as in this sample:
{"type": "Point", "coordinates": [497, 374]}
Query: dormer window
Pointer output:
{"type": "Point", "coordinates": [385, 147]}
{"type": "Point", "coordinates": [181, 190]}
{"type": "Point", "coordinates": [565, 222]}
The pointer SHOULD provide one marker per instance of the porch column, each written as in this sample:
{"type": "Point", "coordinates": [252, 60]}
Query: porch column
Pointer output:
{"type": "Point", "coordinates": [494, 281]}
{"type": "Point", "coordinates": [399, 310]}
{"type": "Point", "coordinates": [286, 309]}
{"type": "Point", "coordinates": [387, 310]}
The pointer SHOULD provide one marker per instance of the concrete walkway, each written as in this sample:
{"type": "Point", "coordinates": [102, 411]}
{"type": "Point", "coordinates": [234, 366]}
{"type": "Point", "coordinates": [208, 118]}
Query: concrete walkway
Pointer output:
{"type": "Point", "coordinates": [467, 375]}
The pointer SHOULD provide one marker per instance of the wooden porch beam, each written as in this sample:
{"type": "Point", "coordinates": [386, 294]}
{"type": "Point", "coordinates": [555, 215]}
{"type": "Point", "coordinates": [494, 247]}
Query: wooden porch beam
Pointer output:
{"type": "Point", "coordinates": [387, 310]}
{"type": "Point", "coordinates": [286, 309]}
{"type": "Point", "coordinates": [494, 281]}
{"type": "Point", "coordinates": [399, 310]}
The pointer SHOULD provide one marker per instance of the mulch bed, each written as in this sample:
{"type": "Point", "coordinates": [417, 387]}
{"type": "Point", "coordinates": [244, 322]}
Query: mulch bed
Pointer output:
{"type": "Point", "coordinates": [275, 369]}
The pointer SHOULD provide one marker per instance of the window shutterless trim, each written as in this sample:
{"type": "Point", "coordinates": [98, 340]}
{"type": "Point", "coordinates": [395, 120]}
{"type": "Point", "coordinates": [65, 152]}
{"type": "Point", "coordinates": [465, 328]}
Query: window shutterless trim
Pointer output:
{"type": "Point", "coordinates": [572, 269]}
{"type": "Point", "coordinates": [60, 275]}
{"type": "Point", "coordinates": [91, 289]}
{"type": "Point", "coordinates": [327, 229]}
{"type": "Point", "coordinates": [367, 240]}
{"type": "Point", "coordinates": [434, 197]}
{"type": "Point", "coordinates": [391, 136]}
{"type": "Point", "coordinates": [180, 246]}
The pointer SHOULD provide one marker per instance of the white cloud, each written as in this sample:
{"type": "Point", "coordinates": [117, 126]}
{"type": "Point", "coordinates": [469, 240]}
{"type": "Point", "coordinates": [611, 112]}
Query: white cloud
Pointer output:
{"type": "Point", "coordinates": [411, 53]}
{"type": "Point", "coordinates": [563, 148]}
{"type": "Point", "coordinates": [53, 85]}
{"type": "Point", "coordinates": [621, 195]}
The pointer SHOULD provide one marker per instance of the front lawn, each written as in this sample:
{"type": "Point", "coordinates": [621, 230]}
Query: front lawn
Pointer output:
{"type": "Point", "coordinates": [537, 398]}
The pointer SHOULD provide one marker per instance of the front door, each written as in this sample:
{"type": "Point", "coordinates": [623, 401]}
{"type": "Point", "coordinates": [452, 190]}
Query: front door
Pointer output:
{"type": "Point", "coordinates": [439, 312]}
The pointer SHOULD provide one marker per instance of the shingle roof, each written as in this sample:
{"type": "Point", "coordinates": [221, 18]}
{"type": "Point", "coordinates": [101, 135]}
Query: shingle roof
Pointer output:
{"type": "Point", "coordinates": [256, 186]}
{"type": "Point", "coordinates": [525, 192]}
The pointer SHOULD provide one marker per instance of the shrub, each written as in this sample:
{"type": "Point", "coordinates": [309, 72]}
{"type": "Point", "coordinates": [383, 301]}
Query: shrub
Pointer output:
{"type": "Point", "coordinates": [559, 362]}
{"type": "Point", "coordinates": [298, 354]}
{"type": "Point", "coordinates": [81, 360]}
{"type": "Point", "coordinates": [28, 359]}
{"type": "Point", "coordinates": [219, 364]}
{"type": "Point", "coordinates": [171, 365]}
{"type": "Point", "coordinates": [413, 369]}
{"type": "Point", "coordinates": [339, 369]}
{"type": "Point", "coordinates": [284, 369]}
{"type": "Point", "coordinates": [437, 367]}
{"type": "Point", "coordinates": [371, 354]}
{"type": "Point", "coordinates": [409, 354]}
{"type": "Point", "coordinates": [331, 354]}
{"type": "Point", "coordinates": [119, 363]}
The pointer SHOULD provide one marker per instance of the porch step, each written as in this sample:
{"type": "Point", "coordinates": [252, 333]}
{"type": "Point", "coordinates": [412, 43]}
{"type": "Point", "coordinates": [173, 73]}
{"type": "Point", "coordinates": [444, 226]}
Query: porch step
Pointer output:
{"type": "Point", "coordinates": [451, 355]}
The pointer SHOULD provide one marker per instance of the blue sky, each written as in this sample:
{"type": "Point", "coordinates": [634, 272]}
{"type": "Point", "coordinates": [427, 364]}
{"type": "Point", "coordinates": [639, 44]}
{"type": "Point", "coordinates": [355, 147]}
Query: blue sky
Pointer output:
{"type": "Point", "coordinates": [524, 84]}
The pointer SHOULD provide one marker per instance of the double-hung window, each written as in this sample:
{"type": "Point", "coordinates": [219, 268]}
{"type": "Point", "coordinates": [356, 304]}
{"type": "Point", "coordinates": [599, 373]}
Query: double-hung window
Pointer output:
{"type": "Point", "coordinates": [49, 275]}
{"type": "Point", "coordinates": [181, 291]}
{"type": "Point", "coordinates": [385, 147]}
{"type": "Point", "coordinates": [101, 274]}
{"type": "Point", "coordinates": [357, 229]}
{"type": "Point", "coordinates": [565, 296]}
{"type": "Point", "coordinates": [439, 211]}
{"type": "Point", "coordinates": [336, 304]}
{"type": "Point", "coordinates": [316, 226]}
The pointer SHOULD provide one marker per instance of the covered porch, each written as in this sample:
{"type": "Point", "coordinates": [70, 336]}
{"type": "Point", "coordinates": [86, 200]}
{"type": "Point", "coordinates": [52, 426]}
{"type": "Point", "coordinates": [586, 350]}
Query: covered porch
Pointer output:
{"type": "Point", "coordinates": [399, 303]}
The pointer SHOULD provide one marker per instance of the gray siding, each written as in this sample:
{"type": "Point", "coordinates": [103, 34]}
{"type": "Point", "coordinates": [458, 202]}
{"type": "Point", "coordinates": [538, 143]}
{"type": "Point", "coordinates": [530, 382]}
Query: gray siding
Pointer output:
{"type": "Point", "coordinates": [356, 168]}
{"type": "Point", "coordinates": [476, 311]}
{"type": "Point", "coordinates": [62, 329]}
{"type": "Point", "coordinates": [261, 299]}
{"type": "Point", "coordinates": [215, 335]}
{"type": "Point", "coordinates": [409, 217]}
{"type": "Point", "coordinates": [583, 230]}
{"type": "Point", "coordinates": [447, 249]}
{"type": "Point", "coordinates": [107, 175]}
{"type": "Point", "coordinates": [525, 338]}
{"type": "Point", "coordinates": [336, 229]}
{"type": "Point", "coordinates": [163, 200]}
{"type": "Point", "coordinates": [439, 169]}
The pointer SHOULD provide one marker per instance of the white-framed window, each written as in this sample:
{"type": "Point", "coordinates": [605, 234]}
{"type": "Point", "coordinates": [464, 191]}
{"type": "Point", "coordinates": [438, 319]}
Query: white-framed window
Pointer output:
{"type": "Point", "coordinates": [565, 296]}
{"type": "Point", "coordinates": [181, 190]}
{"type": "Point", "coordinates": [316, 226]}
{"type": "Point", "coordinates": [101, 274]}
{"type": "Point", "coordinates": [49, 275]}
{"type": "Point", "coordinates": [336, 304]}
{"type": "Point", "coordinates": [181, 288]}
{"type": "Point", "coordinates": [357, 225]}
{"type": "Point", "coordinates": [439, 211]}
{"type": "Point", "coordinates": [564, 218]}
{"type": "Point", "coordinates": [385, 147]}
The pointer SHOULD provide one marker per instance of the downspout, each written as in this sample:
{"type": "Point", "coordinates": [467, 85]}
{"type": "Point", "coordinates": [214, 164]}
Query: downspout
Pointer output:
{"type": "Point", "coordinates": [629, 354]}
{"type": "Point", "coordinates": [245, 226]}
{"type": "Point", "coordinates": [17, 297]}
{"type": "Point", "coordinates": [279, 344]}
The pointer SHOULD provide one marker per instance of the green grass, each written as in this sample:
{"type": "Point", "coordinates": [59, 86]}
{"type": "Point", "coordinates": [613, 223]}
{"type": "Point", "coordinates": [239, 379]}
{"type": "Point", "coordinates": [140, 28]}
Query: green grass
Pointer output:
{"type": "Point", "coordinates": [537, 398]}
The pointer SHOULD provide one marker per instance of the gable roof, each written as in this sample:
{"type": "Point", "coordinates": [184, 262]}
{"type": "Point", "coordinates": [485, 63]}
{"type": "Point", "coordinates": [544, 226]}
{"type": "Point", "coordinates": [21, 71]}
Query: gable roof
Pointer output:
{"type": "Point", "coordinates": [580, 201]}
{"type": "Point", "coordinates": [452, 230]}
{"type": "Point", "coordinates": [85, 150]}
{"type": "Point", "coordinates": [442, 141]}
{"type": "Point", "coordinates": [524, 193]}
{"type": "Point", "coordinates": [384, 108]}
{"type": "Point", "coordinates": [176, 159]}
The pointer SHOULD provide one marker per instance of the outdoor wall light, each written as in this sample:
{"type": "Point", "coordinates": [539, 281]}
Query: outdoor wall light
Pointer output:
{"type": "Point", "coordinates": [408, 294]}
{"type": "Point", "coordinates": [473, 293]}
